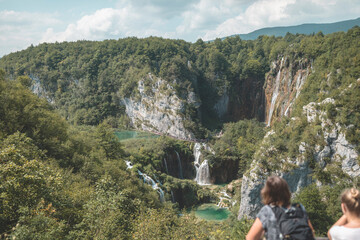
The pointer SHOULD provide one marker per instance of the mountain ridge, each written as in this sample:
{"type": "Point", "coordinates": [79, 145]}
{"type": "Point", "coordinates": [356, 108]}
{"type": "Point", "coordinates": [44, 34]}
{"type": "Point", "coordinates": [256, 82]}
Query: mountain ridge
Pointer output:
{"type": "Point", "coordinates": [306, 28]}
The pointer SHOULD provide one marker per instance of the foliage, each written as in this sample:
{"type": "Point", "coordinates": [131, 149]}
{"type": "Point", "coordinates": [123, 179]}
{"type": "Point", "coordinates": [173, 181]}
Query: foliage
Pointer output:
{"type": "Point", "coordinates": [322, 205]}
{"type": "Point", "coordinates": [166, 224]}
{"type": "Point", "coordinates": [39, 224]}
{"type": "Point", "coordinates": [22, 111]}
{"type": "Point", "coordinates": [238, 143]}
{"type": "Point", "coordinates": [59, 181]}
{"type": "Point", "coordinates": [241, 228]}
{"type": "Point", "coordinates": [25, 180]}
{"type": "Point", "coordinates": [109, 214]}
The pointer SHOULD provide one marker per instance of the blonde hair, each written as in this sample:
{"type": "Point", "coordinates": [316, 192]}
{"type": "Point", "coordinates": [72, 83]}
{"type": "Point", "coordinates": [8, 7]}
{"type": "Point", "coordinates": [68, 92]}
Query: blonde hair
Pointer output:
{"type": "Point", "coordinates": [351, 198]}
{"type": "Point", "coordinates": [276, 191]}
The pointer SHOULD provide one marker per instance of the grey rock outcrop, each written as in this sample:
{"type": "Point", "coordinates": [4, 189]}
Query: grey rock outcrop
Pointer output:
{"type": "Point", "coordinates": [41, 92]}
{"type": "Point", "coordinates": [333, 152]}
{"type": "Point", "coordinates": [253, 182]}
{"type": "Point", "coordinates": [158, 109]}
{"type": "Point", "coordinates": [337, 149]}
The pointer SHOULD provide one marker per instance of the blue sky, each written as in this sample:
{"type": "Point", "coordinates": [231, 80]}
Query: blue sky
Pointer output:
{"type": "Point", "coordinates": [24, 22]}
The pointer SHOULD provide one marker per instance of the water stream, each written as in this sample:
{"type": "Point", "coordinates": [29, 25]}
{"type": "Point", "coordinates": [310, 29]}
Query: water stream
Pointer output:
{"type": "Point", "coordinates": [275, 93]}
{"type": "Point", "coordinates": [149, 181]}
{"type": "Point", "coordinates": [202, 169]}
{"type": "Point", "coordinates": [166, 167]}
{"type": "Point", "coordinates": [180, 167]}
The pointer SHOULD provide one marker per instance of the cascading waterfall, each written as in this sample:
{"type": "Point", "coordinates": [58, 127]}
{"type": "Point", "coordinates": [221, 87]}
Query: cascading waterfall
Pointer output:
{"type": "Point", "coordinates": [226, 197]}
{"type": "Point", "coordinates": [166, 167]}
{"type": "Point", "coordinates": [128, 164]}
{"type": "Point", "coordinates": [149, 181]}
{"type": "Point", "coordinates": [153, 184]}
{"type": "Point", "coordinates": [203, 173]}
{"type": "Point", "coordinates": [202, 170]}
{"type": "Point", "coordinates": [172, 196]}
{"type": "Point", "coordinates": [180, 167]}
{"type": "Point", "coordinates": [287, 110]}
{"type": "Point", "coordinates": [274, 97]}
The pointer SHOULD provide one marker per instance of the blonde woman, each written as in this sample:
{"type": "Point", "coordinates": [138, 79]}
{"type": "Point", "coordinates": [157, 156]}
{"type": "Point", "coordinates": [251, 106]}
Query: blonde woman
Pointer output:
{"type": "Point", "coordinates": [275, 195]}
{"type": "Point", "coordinates": [348, 226]}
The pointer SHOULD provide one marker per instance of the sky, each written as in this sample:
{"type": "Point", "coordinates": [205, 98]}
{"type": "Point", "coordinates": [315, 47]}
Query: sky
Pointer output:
{"type": "Point", "coordinates": [24, 22]}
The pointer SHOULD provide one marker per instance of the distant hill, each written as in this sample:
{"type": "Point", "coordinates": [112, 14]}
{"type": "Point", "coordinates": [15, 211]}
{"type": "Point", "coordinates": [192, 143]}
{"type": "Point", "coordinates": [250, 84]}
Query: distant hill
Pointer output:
{"type": "Point", "coordinates": [308, 28]}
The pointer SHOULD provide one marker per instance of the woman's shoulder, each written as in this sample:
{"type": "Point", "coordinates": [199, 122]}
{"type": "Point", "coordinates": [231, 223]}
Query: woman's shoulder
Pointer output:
{"type": "Point", "coordinates": [341, 230]}
{"type": "Point", "coordinates": [265, 210]}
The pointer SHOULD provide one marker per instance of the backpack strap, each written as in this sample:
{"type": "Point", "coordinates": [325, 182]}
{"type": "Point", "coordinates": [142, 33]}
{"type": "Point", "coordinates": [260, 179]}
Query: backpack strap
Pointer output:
{"type": "Point", "coordinates": [278, 212]}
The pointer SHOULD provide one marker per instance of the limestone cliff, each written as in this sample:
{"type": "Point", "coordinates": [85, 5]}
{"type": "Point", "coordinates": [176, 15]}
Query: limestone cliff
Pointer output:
{"type": "Point", "coordinates": [283, 85]}
{"type": "Point", "coordinates": [39, 90]}
{"type": "Point", "coordinates": [247, 100]}
{"type": "Point", "coordinates": [158, 108]}
{"type": "Point", "coordinates": [333, 151]}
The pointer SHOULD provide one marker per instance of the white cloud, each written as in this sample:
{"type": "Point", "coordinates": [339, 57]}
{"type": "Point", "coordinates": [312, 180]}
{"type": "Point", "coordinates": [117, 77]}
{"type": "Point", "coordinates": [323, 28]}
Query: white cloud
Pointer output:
{"type": "Point", "coordinates": [206, 15]}
{"type": "Point", "coordinates": [183, 19]}
{"type": "Point", "coordinates": [131, 18]}
{"type": "Point", "coordinates": [103, 23]}
{"type": "Point", "coordinates": [268, 13]}
{"type": "Point", "coordinates": [20, 29]}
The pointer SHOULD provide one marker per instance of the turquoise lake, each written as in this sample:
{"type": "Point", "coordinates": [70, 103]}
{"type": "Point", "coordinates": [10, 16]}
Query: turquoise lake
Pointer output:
{"type": "Point", "coordinates": [126, 135]}
{"type": "Point", "coordinates": [211, 212]}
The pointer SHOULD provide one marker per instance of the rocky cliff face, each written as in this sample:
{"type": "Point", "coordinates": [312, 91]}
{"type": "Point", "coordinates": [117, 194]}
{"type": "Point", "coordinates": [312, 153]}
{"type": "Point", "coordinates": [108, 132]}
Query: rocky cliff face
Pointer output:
{"type": "Point", "coordinates": [226, 172]}
{"type": "Point", "coordinates": [283, 85]}
{"type": "Point", "coordinates": [39, 90]}
{"type": "Point", "coordinates": [247, 100]}
{"type": "Point", "coordinates": [254, 180]}
{"type": "Point", "coordinates": [221, 106]}
{"type": "Point", "coordinates": [158, 108]}
{"type": "Point", "coordinates": [179, 165]}
{"type": "Point", "coordinates": [334, 151]}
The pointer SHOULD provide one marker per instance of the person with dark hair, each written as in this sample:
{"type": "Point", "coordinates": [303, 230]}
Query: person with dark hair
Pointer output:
{"type": "Point", "coordinates": [275, 195]}
{"type": "Point", "coordinates": [348, 226]}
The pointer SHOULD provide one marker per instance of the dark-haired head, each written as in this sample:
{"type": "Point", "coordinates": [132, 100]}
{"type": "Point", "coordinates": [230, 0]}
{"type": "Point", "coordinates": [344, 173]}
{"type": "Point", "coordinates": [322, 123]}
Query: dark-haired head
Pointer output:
{"type": "Point", "coordinates": [276, 191]}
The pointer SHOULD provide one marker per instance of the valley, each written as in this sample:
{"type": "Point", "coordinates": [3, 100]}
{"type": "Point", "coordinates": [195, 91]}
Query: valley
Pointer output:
{"type": "Point", "coordinates": [124, 137]}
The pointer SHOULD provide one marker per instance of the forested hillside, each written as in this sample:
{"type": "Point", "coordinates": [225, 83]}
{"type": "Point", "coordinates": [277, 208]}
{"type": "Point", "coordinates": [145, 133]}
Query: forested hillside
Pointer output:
{"type": "Point", "coordinates": [286, 105]}
{"type": "Point", "coordinates": [65, 182]}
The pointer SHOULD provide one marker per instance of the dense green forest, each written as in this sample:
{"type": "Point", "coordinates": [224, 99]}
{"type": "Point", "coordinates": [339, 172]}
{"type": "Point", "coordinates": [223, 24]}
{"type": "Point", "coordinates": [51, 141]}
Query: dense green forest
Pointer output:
{"type": "Point", "coordinates": [64, 182]}
{"type": "Point", "coordinates": [62, 170]}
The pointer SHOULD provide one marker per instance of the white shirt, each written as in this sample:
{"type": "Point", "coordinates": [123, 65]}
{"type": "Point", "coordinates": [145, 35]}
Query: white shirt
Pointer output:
{"type": "Point", "coordinates": [344, 233]}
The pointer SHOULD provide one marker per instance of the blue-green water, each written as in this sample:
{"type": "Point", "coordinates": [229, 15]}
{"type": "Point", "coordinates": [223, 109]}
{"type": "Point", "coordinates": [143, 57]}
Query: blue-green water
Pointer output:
{"type": "Point", "coordinates": [125, 135]}
{"type": "Point", "coordinates": [211, 212]}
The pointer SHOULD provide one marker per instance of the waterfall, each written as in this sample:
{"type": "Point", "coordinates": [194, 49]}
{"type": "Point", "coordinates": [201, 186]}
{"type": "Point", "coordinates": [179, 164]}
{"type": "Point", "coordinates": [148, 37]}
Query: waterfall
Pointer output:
{"type": "Point", "coordinates": [287, 110]}
{"type": "Point", "coordinates": [203, 174]}
{"type": "Point", "coordinates": [274, 96]}
{"type": "Point", "coordinates": [276, 92]}
{"type": "Point", "coordinates": [227, 197]}
{"type": "Point", "coordinates": [166, 167]}
{"type": "Point", "coordinates": [153, 184]}
{"type": "Point", "coordinates": [202, 170]}
{"type": "Point", "coordinates": [172, 196]}
{"type": "Point", "coordinates": [197, 152]}
{"type": "Point", "coordinates": [128, 164]}
{"type": "Point", "coordinates": [162, 195]}
{"type": "Point", "coordinates": [149, 181]}
{"type": "Point", "coordinates": [180, 167]}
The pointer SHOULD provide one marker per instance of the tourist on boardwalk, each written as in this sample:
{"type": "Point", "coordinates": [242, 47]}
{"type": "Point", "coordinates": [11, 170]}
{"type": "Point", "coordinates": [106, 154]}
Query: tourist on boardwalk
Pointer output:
{"type": "Point", "coordinates": [348, 226]}
{"type": "Point", "coordinates": [276, 197]}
